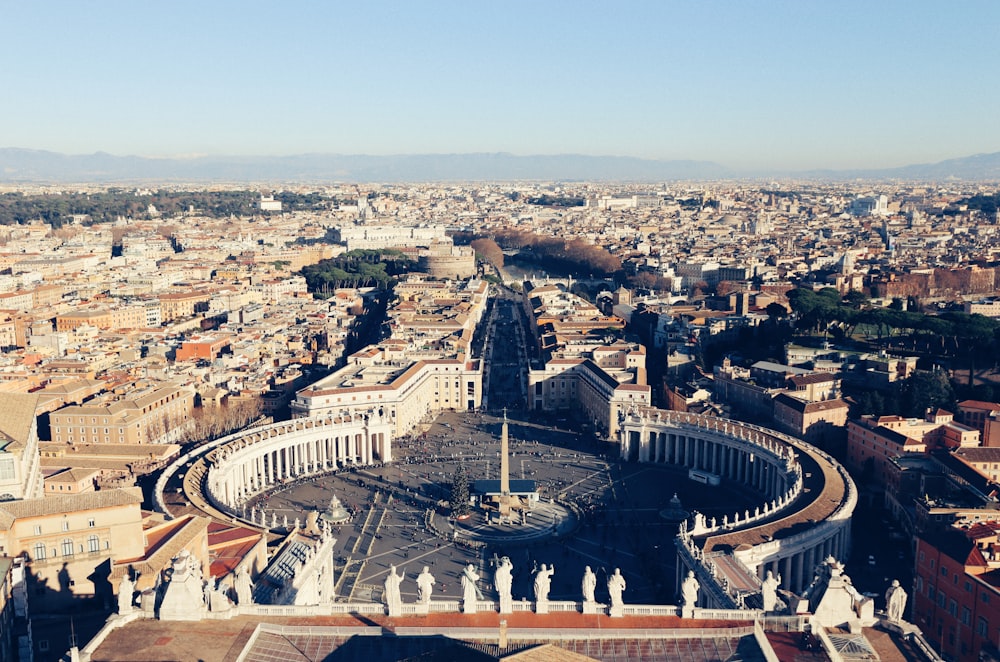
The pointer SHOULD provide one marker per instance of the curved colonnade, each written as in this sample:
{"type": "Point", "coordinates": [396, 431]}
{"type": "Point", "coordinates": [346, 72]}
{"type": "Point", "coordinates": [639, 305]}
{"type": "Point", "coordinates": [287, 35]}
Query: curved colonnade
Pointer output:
{"type": "Point", "coordinates": [807, 497]}
{"type": "Point", "coordinates": [807, 501]}
{"type": "Point", "coordinates": [230, 471]}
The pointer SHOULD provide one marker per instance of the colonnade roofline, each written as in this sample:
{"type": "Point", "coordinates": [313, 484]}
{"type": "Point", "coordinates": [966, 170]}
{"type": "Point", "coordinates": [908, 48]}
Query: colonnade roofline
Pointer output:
{"type": "Point", "coordinates": [775, 442]}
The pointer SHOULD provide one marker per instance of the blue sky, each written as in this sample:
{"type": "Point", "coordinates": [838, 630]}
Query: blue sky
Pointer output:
{"type": "Point", "coordinates": [747, 84]}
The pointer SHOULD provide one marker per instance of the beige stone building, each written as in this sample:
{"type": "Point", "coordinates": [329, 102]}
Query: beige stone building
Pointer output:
{"type": "Point", "coordinates": [158, 416]}
{"type": "Point", "coordinates": [405, 394]}
{"type": "Point", "coordinates": [820, 423]}
{"type": "Point", "coordinates": [71, 541]}
{"type": "Point", "coordinates": [598, 395]}
{"type": "Point", "coordinates": [174, 305]}
{"type": "Point", "coordinates": [71, 481]}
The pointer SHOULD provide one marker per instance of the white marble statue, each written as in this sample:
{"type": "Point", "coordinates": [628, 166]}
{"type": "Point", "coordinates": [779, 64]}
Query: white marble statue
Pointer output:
{"type": "Point", "coordinates": [543, 582]}
{"type": "Point", "coordinates": [425, 585]}
{"type": "Point", "coordinates": [589, 585]}
{"type": "Point", "coordinates": [184, 595]}
{"type": "Point", "coordinates": [895, 601]}
{"type": "Point", "coordinates": [126, 592]}
{"type": "Point", "coordinates": [769, 590]}
{"type": "Point", "coordinates": [243, 587]}
{"type": "Point", "coordinates": [689, 590]}
{"type": "Point", "coordinates": [470, 591]}
{"type": "Point", "coordinates": [393, 599]}
{"type": "Point", "coordinates": [503, 580]}
{"type": "Point", "coordinates": [616, 587]}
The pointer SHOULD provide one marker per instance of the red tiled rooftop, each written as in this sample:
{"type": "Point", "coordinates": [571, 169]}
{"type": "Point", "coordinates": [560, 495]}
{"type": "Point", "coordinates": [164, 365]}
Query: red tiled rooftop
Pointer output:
{"type": "Point", "coordinates": [222, 641]}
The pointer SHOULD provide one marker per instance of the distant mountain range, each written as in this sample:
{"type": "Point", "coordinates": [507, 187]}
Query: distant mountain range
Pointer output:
{"type": "Point", "coordinates": [25, 165]}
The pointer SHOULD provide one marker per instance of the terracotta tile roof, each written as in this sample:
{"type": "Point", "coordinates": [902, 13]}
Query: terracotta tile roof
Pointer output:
{"type": "Point", "coordinates": [224, 640]}
{"type": "Point", "coordinates": [826, 491]}
{"type": "Point", "coordinates": [167, 546]}
{"type": "Point", "coordinates": [979, 404]}
{"type": "Point", "coordinates": [17, 414]}
{"type": "Point", "coordinates": [54, 505]}
{"type": "Point", "coordinates": [71, 476]}
{"type": "Point", "coordinates": [812, 378]}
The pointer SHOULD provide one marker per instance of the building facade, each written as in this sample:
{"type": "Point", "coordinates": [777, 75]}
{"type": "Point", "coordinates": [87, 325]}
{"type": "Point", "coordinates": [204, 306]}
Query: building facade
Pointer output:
{"type": "Point", "coordinates": [158, 416]}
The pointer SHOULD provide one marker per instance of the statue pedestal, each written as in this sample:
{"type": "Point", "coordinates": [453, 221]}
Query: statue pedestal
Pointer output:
{"type": "Point", "coordinates": [147, 601]}
{"type": "Point", "coordinates": [394, 610]}
{"type": "Point", "coordinates": [542, 607]}
{"type": "Point", "coordinates": [616, 611]}
{"type": "Point", "coordinates": [687, 612]}
{"type": "Point", "coordinates": [422, 608]}
{"type": "Point", "coordinates": [469, 606]}
{"type": "Point", "coordinates": [506, 606]}
{"type": "Point", "coordinates": [593, 608]}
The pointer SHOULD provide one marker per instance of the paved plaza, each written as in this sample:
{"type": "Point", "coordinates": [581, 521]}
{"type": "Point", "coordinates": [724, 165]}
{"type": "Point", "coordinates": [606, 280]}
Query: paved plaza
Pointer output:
{"type": "Point", "coordinates": [596, 511]}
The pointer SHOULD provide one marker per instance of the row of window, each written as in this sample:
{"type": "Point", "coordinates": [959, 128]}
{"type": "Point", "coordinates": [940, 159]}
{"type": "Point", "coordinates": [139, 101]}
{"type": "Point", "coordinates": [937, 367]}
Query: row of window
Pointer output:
{"type": "Point", "coordinates": [94, 439]}
{"type": "Point", "coordinates": [68, 548]}
{"type": "Point", "coordinates": [91, 523]}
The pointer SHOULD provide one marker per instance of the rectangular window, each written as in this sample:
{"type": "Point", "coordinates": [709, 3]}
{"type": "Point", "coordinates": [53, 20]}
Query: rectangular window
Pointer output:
{"type": "Point", "coordinates": [966, 615]}
{"type": "Point", "coordinates": [7, 467]}
{"type": "Point", "coordinates": [952, 607]}
{"type": "Point", "coordinates": [983, 627]}
{"type": "Point", "coordinates": [940, 600]}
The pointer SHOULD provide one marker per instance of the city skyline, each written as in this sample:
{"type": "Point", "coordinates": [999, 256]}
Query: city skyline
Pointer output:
{"type": "Point", "coordinates": [780, 86]}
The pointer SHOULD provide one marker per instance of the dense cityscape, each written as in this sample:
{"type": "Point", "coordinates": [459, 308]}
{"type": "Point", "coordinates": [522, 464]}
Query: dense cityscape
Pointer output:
{"type": "Point", "coordinates": [767, 411]}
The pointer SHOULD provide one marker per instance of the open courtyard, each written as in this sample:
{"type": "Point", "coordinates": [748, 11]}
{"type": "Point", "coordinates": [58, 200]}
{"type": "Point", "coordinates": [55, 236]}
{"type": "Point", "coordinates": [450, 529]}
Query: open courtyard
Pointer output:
{"type": "Point", "coordinates": [609, 514]}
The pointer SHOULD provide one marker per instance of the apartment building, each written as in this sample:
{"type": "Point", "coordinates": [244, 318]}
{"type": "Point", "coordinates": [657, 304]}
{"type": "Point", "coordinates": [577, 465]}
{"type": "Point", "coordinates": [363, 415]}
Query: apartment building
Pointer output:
{"type": "Point", "coordinates": [956, 592]}
{"type": "Point", "coordinates": [983, 416]}
{"type": "Point", "coordinates": [819, 423]}
{"type": "Point", "coordinates": [872, 442]}
{"type": "Point", "coordinates": [156, 416]}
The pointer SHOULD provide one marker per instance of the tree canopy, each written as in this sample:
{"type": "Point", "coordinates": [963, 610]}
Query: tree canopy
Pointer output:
{"type": "Point", "coordinates": [488, 250]}
{"type": "Point", "coordinates": [459, 500]}
{"type": "Point", "coordinates": [359, 268]}
{"type": "Point", "coordinates": [576, 256]}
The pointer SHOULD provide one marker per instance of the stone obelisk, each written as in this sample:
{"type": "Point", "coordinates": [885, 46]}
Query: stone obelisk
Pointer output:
{"type": "Point", "coordinates": [504, 470]}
